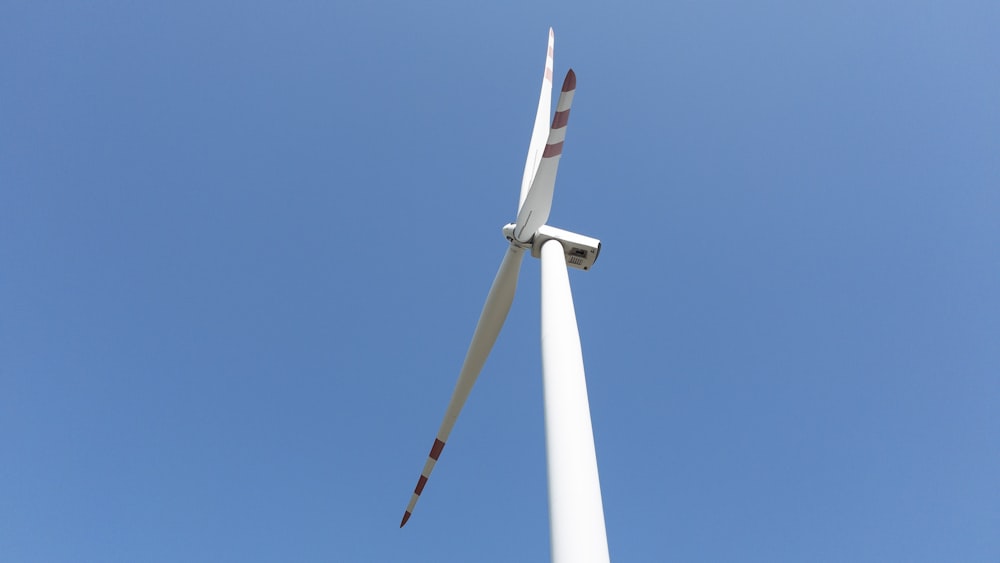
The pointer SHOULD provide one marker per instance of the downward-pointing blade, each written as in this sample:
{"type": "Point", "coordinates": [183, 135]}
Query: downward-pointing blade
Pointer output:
{"type": "Point", "coordinates": [541, 128]}
{"type": "Point", "coordinates": [535, 210]}
{"type": "Point", "coordinates": [490, 322]}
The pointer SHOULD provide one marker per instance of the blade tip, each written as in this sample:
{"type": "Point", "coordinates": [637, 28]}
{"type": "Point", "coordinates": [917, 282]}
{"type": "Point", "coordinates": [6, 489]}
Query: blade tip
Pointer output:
{"type": "Point", "coordinates": [406, 516]}
{"type": "Point", "coordinates": [570, 82]}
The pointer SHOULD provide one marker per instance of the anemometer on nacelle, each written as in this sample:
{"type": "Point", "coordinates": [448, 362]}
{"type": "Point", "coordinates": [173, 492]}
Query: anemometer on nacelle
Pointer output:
{"type": "Point", "coordinates": [581, 251]}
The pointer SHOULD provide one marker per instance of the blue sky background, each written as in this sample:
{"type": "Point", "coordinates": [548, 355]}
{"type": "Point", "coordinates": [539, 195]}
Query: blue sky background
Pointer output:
{"type": "Point", "coordinates": [243, 247]}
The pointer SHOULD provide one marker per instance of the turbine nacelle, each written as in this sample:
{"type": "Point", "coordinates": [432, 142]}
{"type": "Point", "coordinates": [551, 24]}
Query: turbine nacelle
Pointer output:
{"type": "Point", "coordinates": [581, 251]}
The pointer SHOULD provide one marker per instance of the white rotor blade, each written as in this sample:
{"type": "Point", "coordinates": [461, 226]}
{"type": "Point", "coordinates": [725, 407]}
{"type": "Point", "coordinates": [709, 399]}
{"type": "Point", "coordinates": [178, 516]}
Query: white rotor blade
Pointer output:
{"type": "Point", "coordinates": [535, 210]}
{"type": "Point", "coordinates": [490, 322]}
{"type": "Point", "coordinates": [541, 128]}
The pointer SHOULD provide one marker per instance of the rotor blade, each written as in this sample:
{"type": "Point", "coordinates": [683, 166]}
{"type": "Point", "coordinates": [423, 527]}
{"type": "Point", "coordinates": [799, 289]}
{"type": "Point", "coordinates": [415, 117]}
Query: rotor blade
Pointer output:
{"type": "Point", "coordinates": [537, 205]}
{"type": "Point", "coordinates": [541, 128]}
{"type": "Point", "coordinates": [490, 322]}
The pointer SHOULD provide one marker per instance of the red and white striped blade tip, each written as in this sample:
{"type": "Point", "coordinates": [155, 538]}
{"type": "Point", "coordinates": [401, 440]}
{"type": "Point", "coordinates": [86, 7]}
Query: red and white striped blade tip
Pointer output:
{"type": "Point", "coordinates": [432, 458]}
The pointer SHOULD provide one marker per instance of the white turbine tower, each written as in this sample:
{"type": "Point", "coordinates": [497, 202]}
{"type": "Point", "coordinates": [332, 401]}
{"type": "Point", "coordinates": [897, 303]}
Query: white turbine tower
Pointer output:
{"type": "Point", "coordinates": [576, 514]}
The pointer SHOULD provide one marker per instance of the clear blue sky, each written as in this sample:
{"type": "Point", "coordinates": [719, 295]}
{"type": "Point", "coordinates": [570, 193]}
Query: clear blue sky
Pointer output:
{"type": "Point", "coordinates": [243, 247]}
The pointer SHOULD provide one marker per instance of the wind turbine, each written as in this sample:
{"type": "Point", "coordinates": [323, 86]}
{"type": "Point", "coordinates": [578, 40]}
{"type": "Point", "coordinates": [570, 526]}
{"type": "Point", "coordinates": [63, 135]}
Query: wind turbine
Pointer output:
{"type": "Point", "coordinates": [576, 513]}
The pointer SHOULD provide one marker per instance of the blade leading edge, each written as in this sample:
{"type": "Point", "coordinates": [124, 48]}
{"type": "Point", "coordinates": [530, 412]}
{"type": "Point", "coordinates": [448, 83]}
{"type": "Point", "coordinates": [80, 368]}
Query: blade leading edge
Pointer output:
{"type": "Point", "coordinates": [538, 203]}
{"type": "Point", "coordinates": [491, 320]}
{"type": "Point", "coordinates": [541, 127]}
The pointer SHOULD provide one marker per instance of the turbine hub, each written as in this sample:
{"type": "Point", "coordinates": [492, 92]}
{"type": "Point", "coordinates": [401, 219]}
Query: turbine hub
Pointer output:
{"type": "Point", "coordinates": [508, 233]}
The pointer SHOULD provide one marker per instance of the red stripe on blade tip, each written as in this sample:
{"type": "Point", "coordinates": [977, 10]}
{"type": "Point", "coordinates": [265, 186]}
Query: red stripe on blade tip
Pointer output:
{"type": "Point", "coordinates": [552, 150]}
{"type": "Point", "coordinates": [406, 516]}
{"type": "Point", "coordinates": [570, 82]}
{"type": "Point", "coordinates": [436, 450]}
{"type": "Point", "coordinates": [561, 119]}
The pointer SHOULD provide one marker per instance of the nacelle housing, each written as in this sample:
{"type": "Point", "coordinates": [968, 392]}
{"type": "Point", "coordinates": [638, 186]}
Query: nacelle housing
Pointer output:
{"type": "Point", "coordinates": [581, 251]}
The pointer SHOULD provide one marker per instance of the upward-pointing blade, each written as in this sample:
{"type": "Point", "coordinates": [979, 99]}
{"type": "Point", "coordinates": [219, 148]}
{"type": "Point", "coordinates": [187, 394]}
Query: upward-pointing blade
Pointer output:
{"type": "Point", "coordinates": [535, 210]}
{"type": "Point", "coordinates": [490, 322]}
{"type": "Point", "coordinates": [541, 128]}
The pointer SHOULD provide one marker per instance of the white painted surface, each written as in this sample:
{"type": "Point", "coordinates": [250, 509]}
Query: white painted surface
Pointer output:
{"type": "Point", "coordinates": [576, 512]}
{"type": "Point", "coordinates": [541, 128]}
